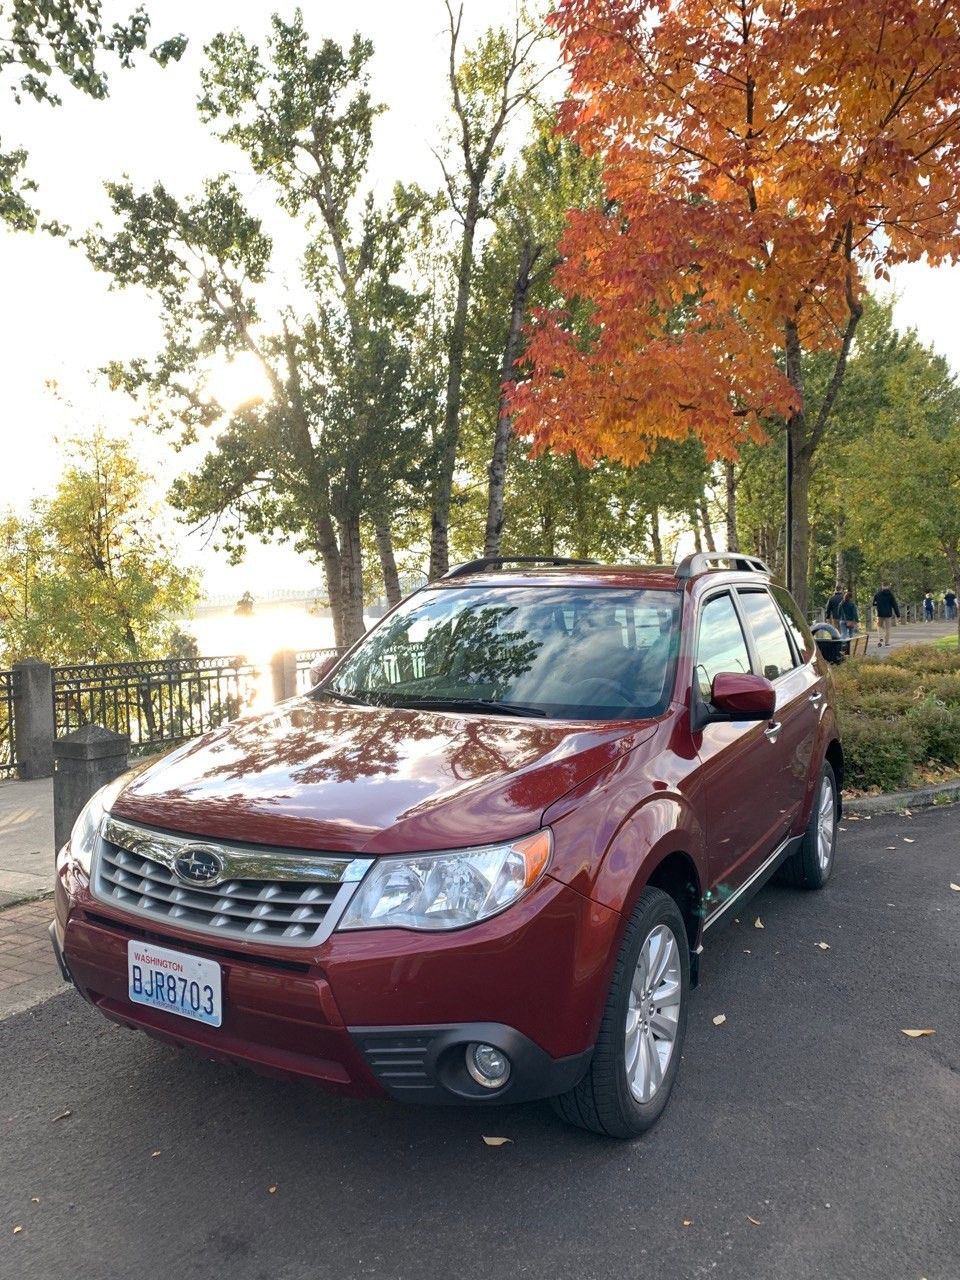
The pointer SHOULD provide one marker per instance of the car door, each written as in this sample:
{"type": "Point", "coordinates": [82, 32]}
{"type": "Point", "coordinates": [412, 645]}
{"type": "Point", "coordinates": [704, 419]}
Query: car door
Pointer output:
{"type": "Point", "coordinates": [735, 759]}
{"type": "Point", "coordinates": [792, 734]}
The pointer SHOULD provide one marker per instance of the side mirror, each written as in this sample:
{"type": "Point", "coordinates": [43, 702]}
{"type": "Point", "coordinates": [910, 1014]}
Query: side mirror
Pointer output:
{"type": "Point", "coordinates": [738, 696]}
{"type": "Point", "coordinates": [322, 667]}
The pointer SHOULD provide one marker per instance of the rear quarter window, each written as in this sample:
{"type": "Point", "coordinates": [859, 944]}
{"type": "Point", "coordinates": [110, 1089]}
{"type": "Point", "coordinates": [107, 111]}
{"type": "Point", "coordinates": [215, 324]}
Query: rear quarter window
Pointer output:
{"type": "Point", "coordinates": [796, 622]}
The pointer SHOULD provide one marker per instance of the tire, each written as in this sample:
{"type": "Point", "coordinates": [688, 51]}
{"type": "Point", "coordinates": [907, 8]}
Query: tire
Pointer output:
{"type": "Point", "coordinates": [605, 1101]}
{"type": "Point", "coordinates": [810, 866]}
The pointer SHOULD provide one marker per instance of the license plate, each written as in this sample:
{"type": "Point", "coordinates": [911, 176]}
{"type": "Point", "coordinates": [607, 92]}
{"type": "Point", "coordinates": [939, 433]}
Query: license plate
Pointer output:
{"type": "Point", "coordinates": [171, 980]}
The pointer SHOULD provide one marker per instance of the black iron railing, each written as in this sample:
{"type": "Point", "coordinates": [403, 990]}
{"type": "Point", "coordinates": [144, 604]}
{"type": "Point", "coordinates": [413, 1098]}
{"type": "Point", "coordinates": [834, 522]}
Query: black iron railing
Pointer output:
{"type": "Point", "coordinates": [305, 660]}
{"type": "Point", "coordinates": [8, 750]}
{"type": "Point", "coordinates": [155, 703]}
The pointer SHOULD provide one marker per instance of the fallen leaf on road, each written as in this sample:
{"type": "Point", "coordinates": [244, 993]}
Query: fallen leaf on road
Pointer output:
{"type": "Point", "coordinates": [753, 1220]}
{"type": "Point", "coordinates": [154, 1153]}
{"type": "Point", "coordinates": [34, 1199]}
{"type": "Point", "coordinates": [758, 923]}
{"type": "Point", "coordinates": [272, 1190]}
{"type": "Point", "coordinates": [891, 846]}
{"type": "Point", "coordinates": [496, 1142]}
{"type": "Point", "coordinates": [720, 1019]}
{"type": "Point", "coordinates": [17, 1230]}
{"type": "Point", "coordinates": [955, 886]}
{"type": "Point", "coordinates": [746, 952]}
{"type": "Point", "coordinates": [908, 840]}
{"type": "Point", "coordinates": [62, 1116]}
{"type": "Point", "coordinates": [824, 946]}
{"type": "Point", "coordinates": [688, 1222]}
{"type": "Point", "coordinates": [915, 1034]}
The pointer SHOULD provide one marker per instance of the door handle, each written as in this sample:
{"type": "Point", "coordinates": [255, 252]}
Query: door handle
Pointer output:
{"type": "Point", "coordinates": [816, 698]}
{"type": "Point", "coordinates": [773, 729]}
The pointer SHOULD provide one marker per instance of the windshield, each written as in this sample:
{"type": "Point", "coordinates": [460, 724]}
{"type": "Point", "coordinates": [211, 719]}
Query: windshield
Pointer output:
{"type": "Point", "coordinates": [568, 653]}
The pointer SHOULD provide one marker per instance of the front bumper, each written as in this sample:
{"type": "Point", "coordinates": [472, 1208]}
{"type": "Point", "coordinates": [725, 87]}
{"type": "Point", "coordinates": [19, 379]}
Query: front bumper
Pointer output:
{"type": "Point", "coordinates": [380, 1012]}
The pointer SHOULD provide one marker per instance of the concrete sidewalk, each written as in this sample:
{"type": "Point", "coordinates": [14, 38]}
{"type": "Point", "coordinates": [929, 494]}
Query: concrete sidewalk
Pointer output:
{"type": "Point", "coordinates": [26, 840]}
{"type": "Point", "coordinates": [28, 971]}
{"type": "Point", "coordinates": [912, 633]}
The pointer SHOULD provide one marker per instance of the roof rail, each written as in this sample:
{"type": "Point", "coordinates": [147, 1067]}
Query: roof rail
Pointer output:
{"type": "Point", "coordinates": [496, 562]}
{"type": "Point", "coordinates": [701, 561]}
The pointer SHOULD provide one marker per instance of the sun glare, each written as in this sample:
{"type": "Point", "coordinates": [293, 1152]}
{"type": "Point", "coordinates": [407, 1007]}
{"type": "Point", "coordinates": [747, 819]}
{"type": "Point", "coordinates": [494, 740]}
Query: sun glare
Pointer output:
{"type": "Point", "coordinates": [238, 382]}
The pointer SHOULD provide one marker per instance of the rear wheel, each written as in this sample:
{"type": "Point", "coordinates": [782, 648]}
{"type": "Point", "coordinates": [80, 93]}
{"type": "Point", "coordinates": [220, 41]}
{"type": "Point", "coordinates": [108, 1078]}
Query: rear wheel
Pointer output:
{"type": "Point", "coordinates": [810, 866]}
{"type": "Point", "coordinates": [637, 1056]}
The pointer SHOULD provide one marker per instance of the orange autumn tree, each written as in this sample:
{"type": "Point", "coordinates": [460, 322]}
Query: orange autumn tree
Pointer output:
{"type": "Point", "coordinates": [761, 159]}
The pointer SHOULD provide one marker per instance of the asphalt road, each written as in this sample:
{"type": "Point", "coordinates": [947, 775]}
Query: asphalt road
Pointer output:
{"type": "Point", "coordinates": [807, 1111]}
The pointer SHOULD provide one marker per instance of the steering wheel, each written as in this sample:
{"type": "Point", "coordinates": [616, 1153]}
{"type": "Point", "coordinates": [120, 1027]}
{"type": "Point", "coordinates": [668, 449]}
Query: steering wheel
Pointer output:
{"type": "Point", "coordinates": [600, 683]}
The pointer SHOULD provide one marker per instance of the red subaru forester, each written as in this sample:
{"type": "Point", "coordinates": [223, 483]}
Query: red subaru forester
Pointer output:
{"type": "Point", "coordinates": [476, 863]}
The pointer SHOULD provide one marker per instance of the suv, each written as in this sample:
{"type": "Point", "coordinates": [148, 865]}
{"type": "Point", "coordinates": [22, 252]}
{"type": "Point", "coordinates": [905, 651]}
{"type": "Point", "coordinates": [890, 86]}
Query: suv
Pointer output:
{"type": "Point", "coordinates": [475, 863]}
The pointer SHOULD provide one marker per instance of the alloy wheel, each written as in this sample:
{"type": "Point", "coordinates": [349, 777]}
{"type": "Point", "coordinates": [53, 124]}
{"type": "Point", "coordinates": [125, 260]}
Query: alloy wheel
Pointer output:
{"type": "Point", "coordinates": [826, 824]}
{"type": "Point", "coordinates": [653, 1013]}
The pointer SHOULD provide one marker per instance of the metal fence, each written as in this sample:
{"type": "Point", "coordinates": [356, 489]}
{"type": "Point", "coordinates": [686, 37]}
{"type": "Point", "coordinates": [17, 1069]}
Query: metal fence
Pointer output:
{"type": "Point", "coordinates": [155, 703]}
{"type": "Point", "coordinates": [8, 751]}
{"type": "Point", "coordinates": [305, 660]}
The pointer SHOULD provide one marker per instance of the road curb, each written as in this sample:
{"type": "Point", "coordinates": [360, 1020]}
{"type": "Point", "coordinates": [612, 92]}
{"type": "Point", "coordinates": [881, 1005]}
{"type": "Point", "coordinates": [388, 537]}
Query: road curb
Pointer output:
{"type": "Point", "coordinates": [893, 801]}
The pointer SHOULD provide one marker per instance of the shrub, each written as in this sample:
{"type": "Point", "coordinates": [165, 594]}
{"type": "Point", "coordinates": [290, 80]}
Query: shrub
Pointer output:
{"type": "Point", "coordinates": [945, 688]}
{"type": "Point", "coordinates": [866, 674]}
{"type": "Point", "coordinates": [878, 752]}
{"type": "Point", "coordinates": [926, 658]}
{"type": "Point", "coordinates": [938, 731]}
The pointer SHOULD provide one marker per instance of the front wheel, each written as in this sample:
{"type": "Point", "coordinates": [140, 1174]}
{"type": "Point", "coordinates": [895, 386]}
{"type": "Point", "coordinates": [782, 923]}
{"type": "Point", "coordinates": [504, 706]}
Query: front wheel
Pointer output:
{"type": "Point", "coordinates": [637, 1055]}
{"type": "Point", "coordinates": [810, 866]}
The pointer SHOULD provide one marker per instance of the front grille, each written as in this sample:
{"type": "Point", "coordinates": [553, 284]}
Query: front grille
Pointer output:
{"type": "Point", "coordinates": [278, 896]}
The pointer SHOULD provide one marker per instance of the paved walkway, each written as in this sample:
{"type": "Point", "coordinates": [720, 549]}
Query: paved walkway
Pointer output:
{"type": "Point", "coordinates": [26, 840]}
{"type": "Point", "coordinates": [913, 633]}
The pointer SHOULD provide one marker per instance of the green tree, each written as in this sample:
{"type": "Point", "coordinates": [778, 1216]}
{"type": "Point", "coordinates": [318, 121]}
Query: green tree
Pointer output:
{"type": "Point", "coordinates": [88, 575]}
{"type": "Point", "coordinates": [342, 428]}
{"type": "Point", "coordinates": [44, 46]}
{"type": "Point", "coordinates": [490, 84]}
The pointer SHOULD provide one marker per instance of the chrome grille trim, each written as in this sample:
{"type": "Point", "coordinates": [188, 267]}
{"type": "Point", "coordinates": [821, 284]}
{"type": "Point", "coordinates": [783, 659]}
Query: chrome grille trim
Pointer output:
{"type": "Point", "coordinates": [291, 899]}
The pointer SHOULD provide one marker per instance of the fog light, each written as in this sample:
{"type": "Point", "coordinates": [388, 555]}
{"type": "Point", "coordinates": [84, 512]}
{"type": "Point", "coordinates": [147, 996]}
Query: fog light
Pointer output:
{"type": "Point", "coordinates": [487, 1065]}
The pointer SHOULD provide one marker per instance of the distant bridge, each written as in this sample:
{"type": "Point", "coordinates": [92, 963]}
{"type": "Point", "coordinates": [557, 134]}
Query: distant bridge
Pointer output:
{"type": "Point", "coordinates": [292, 595]}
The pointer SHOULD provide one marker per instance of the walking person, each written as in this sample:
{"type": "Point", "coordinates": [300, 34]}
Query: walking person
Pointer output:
{"type": "Point", "coordinates": [832, 611]}
{"type": "Point", "coordinates": [885, 603]}
{"type": "Point", "coordinates": [929, 607]}
{"type": "Point", "coordinates": [950, 604]}
{"type": "Point", "coordinates": [849, 616]}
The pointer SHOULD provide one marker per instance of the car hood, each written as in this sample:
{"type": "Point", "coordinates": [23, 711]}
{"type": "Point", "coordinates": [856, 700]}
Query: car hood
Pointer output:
{"type": "Point", "coordinates": [315, 775]}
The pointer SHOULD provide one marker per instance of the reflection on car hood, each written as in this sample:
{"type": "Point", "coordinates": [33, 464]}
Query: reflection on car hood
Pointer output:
{"type": "Point", "coordinates": [315, 775]}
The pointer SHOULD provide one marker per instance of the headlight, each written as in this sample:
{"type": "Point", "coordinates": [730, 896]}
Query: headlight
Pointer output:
{"type": "Point", "coordinates": [447, 890]}
{"type": "Point", "coordinates": [86, 830]}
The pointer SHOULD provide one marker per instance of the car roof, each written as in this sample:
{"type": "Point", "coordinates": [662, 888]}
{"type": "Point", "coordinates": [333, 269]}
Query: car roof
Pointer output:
{"type": "Point", "coordinates": [658, 576]}
{"type": "Point", "coordinates": [552, 571]}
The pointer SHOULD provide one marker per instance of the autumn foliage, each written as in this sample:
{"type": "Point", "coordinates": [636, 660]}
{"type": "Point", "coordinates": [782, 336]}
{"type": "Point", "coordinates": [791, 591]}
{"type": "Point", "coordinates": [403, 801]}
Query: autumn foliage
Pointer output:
{"type": "Point", "coordinates": [760, 160]}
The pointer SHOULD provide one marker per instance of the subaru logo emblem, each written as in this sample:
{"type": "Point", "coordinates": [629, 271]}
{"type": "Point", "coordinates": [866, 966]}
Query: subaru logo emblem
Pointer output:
{"type": "Point", "coordinates": [198, 865]}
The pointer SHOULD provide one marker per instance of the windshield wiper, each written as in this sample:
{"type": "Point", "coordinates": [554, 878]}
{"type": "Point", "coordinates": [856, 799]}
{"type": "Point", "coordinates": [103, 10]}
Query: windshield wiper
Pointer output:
{"type": "Point", "coordinates": [350, 699]}
{"type": "Point", "coordinates": [473, 704]}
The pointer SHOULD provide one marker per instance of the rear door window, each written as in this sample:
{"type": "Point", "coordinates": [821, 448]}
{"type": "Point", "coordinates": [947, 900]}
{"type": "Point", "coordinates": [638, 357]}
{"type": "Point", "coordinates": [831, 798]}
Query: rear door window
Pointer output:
{"type": "Point", "coordinates": [769, 634]}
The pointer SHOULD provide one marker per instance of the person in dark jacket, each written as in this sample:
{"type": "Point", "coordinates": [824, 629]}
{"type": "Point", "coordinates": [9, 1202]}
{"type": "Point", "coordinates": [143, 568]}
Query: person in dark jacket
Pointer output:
{"type": "Point", "coordinates": [849, 616]}
{"type": "Point", "coordinates": [885, 603]}
{"type": "Point", "coordinates": [929, 607]}
{"type": "Point", "coordinates": [950, 604]}
{"type": "Point", "coordinates": [832, 612]}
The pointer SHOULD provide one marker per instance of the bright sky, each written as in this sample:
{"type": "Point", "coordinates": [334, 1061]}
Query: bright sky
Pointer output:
{"type": "Point", "coordinates": [59, 321]}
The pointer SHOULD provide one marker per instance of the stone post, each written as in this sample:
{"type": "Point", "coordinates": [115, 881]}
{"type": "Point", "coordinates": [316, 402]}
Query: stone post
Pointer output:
{"type": "Point", "coordinates": [33, 712]}
{"type": "Point", "coordinates": [86, 760]}
{"type": "Point", "coordinates": [283, 666]}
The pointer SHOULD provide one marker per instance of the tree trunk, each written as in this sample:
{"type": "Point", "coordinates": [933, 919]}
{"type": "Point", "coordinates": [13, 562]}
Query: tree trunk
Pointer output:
{"type": "Point", "coordinates": [695, 526]}
{"type": "Point", "coordinates": [797, 535]}
{"type": "Point", "coordinates": [325, 540]}
{"type": "Point", "coordinates": [504, 427]}
{"type": "Point", "coordinates": [730, 477]}
{"type": "Point", "coordinates": [655, 536]}
{"type": "Point", "coordinates": [388, 563]}
{"type": "Point", "coordinates": [351, 579]}
{"type": "Point", "coordinates": [450, 434]}
{"type": "Point", "coordinates": [707, 526]}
